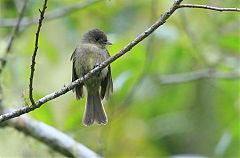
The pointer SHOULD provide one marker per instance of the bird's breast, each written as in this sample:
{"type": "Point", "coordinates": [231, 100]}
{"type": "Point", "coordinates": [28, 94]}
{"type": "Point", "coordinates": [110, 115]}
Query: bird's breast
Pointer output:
{"type": "Point", "coordinates": [87, 57]}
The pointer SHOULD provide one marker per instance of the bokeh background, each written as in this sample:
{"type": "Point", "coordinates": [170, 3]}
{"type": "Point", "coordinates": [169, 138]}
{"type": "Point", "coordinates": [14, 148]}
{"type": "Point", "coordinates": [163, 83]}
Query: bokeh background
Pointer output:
{"type": "Point", "coordinates": [149, 114]}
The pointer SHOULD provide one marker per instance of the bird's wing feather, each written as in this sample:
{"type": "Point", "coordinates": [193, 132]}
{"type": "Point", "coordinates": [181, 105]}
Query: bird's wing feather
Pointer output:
{"type": "Point", "coordinates": [79, 88]}
{"type": "Point", "coordinates": [107, 84]}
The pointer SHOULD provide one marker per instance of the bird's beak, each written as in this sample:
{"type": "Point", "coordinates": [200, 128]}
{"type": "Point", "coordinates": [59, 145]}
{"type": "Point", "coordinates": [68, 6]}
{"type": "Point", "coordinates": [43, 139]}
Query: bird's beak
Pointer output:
{"type": "Point", "coordinates": [108, 43]}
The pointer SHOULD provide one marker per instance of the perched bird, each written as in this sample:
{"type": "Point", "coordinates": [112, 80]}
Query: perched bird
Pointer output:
{"type": "Point", "coordinates": [90, 53]}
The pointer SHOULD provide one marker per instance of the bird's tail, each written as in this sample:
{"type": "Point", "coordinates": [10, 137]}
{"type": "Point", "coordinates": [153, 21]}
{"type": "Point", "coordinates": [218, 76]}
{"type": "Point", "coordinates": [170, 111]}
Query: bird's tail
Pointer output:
{"type": "Point", "coordinates": [94, 110]}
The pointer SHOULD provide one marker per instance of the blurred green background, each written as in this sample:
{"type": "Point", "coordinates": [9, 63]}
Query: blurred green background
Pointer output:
{"type": "Point", "coordinates": [147, 118]}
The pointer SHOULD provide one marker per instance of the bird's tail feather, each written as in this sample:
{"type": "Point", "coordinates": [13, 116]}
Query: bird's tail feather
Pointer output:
{"type": "Point", "coordinates": [94, 110]}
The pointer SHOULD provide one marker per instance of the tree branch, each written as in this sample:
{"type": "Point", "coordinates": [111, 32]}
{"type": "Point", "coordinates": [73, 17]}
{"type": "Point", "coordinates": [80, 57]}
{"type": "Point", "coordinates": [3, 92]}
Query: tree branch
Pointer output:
{"type": "Point", "coordinates": [196, 75]}
{"type": "Point", "coordinates": [3, 60]}
{"type": "Point", "coordinates": [35, 52]}
{"type": "Point", "coordinates": [50, 136]}
{"type": "Point", "coordinates": [208, 7]}
{"type": "Point", "coordinates": [51, 15]}
{"type": "Point", "coordinates": [123, 51]}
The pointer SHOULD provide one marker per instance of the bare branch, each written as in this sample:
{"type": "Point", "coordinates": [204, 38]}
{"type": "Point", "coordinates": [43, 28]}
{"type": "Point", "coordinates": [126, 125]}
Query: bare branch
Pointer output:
{"type": "Point", "coordinates": [208, 7]}
{"type": "Point", "coordinates": [3, 60]}
{"type": "Point", "coordinates": [50, 136]}
{"type": "Point", "coordinates": [50, 15]}
{"type": "Point", "coordinates": [196, 75]}
{"type": "Point", "coordinates": [35, 52]}
{"type": "Point", "coordinates": [123, 51]}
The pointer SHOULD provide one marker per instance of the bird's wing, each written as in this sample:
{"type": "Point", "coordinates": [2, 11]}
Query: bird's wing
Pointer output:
{"type": "Point", "coordinates": [79, 88]}
{"type": "Point", "coordinates": [107, 84]}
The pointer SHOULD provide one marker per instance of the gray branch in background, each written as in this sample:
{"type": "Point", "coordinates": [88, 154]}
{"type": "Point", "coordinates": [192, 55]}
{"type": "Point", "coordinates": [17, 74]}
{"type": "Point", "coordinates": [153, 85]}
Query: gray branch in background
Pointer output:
{"type": "Point", "coordinates": [69, 87]}
{"type": "Point", "coordinates": [52, 137]}
{"type": "Point", "coordinates": [26, 21]}
{"type": "Point", "coordinates": [196, 75]}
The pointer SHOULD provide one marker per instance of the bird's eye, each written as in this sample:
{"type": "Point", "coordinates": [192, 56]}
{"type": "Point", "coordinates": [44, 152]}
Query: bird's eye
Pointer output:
{"type": "Point", "coordinates": [97, 39]}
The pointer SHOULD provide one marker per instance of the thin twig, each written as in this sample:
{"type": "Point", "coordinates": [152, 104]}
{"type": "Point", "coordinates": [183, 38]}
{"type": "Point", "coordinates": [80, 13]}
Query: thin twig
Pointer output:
{"type": "Point", "coordinates": [50, 15]}
{"type": "Point", "coordinates": [3, 60]}
{"type": "Point", "coordinates": [35, 52]}
{"type": "Point", "coordinates": [208, 7]}
{"type": "Point", "coordinates": [123, 51]}
{"type": "Point", "coordinates": [55, 139]}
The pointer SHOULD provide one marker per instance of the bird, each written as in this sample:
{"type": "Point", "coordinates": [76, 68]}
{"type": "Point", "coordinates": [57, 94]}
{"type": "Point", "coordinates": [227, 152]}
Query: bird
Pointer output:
{"type": "Point", "coordinates": [91, 52]}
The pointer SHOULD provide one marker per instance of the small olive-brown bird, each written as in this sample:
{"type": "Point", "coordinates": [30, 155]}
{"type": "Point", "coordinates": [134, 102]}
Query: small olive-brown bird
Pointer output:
{"type": "Point", "coordinates": [90, 53]}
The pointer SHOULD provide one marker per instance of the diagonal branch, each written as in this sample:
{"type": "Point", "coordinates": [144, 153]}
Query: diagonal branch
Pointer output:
{"type": "Point", "coordinates": [208, 7]}
{"type": "Point", "coordinates": [35, 52]}
{"type": "Point", "coordinates": [50, 15]}
{"type": "Point", "coordinates": [123, 51]}
{"type": "Point", "coordinates": [52, 137]}
{"type": "Point", "coordinates": [3, 60]}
